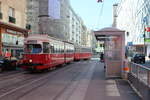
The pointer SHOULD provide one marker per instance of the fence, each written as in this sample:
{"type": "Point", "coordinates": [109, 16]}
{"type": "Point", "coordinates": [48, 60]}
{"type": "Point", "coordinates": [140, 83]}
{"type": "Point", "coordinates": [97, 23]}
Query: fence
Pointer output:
{"type": "Point", "coordinates": [139, 78]}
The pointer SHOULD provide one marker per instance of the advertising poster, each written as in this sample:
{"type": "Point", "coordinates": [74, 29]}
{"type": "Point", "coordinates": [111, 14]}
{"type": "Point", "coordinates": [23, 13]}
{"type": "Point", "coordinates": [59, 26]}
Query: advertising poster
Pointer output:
{"type": "Point", "coordinates": [54, 9]}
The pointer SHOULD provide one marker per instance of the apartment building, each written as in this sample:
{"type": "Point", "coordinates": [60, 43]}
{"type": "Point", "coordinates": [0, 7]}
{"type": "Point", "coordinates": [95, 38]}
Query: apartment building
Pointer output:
{"type": "Point", "coordinates": [56, 18]}
{"type": "Point", "coordinates": [133, 16]}
{"type": "Point", "coordinates": [12, 26]}
{"type": "Point", "coordinates": [76, 27]}
{"type": "Point", "coordinates": [48, 17]}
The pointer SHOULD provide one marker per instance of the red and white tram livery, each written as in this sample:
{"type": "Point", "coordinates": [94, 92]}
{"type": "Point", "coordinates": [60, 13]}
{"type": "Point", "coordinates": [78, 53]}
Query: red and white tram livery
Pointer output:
{"type": "Point", "coordinates": [82, 53]}
{"type": "Point", "coordinates": [44, 52]}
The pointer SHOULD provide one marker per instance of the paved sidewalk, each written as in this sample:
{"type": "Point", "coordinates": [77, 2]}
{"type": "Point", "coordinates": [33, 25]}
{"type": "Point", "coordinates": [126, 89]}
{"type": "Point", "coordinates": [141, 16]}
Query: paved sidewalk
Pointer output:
{"type": "Point", "coordinates": [108, 89]}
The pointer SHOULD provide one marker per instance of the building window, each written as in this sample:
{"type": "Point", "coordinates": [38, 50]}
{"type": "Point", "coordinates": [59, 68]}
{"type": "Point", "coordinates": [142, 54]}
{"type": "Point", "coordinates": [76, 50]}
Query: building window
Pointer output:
{"type": "Point", "coordinates": [1, 15]}
{"type": "Point", "coordinates": [11, 12]}
{"type": "Point", "coordinates": [0, 7]}
{"type": "Point", "coordinates": [11, 15]}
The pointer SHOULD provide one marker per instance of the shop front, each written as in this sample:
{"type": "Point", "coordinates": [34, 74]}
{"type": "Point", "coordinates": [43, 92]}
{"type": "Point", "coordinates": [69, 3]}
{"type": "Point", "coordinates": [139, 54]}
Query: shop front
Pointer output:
{"type": "Point", "coordinates": [12, 40]}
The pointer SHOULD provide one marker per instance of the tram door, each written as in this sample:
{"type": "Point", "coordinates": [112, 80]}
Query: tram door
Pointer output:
{"type": "Point", "coordinates": [113, 56]}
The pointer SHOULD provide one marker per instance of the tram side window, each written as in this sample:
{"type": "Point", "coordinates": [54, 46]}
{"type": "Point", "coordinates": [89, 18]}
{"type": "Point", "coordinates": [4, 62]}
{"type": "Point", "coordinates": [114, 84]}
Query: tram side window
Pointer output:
{"type": "Point", "coordinates": [46, 48]}
{"type": "Point", "coordinates": [62, 49]}
{"type": "Point", "coordinates": [33, 48]}
{"type": "Point", "coordinates": [58, 48]}
{"type": "Point", "coordinates": [72, 50]}
{"type": "Point", "coordinates": [52, 48]}
{"type": "Point", "coordinates": [55, 48]}
{"type": "Point", "coordinates": [67, 49]}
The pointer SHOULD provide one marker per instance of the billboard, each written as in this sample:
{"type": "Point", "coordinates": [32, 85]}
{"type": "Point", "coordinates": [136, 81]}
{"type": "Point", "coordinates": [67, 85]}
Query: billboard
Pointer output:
{"type": "Point", "coordinates": [54, 9]}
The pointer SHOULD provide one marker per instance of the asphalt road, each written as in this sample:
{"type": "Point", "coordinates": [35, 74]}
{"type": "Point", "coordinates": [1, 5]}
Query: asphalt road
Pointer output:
{"type": "Point", "coordinates": [84, 80]}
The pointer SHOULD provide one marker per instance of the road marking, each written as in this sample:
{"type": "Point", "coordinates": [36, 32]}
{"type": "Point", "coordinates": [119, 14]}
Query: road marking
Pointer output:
{"type": "Point", "coordinates": [111, 89]}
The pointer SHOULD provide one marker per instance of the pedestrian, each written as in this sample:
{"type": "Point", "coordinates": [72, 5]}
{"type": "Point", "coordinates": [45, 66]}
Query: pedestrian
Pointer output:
{"type": "Point", "coordinates": [7, 54]}
{"type": "Point", "coordinates": [101, 57]}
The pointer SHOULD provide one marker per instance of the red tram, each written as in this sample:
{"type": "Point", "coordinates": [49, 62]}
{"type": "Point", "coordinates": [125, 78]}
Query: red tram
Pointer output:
{"type": "Point", "coordinates": [45, 52]}
{"type": "Point", "coordinates": [82, 52]}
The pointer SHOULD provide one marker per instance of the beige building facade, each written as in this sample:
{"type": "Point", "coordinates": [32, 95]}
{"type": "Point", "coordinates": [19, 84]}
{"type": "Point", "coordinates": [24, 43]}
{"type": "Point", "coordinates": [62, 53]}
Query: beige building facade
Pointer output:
{"type": "Point", "coordinates": [15, 9]}
{"type": "Point", "coordinates": [12, 26]}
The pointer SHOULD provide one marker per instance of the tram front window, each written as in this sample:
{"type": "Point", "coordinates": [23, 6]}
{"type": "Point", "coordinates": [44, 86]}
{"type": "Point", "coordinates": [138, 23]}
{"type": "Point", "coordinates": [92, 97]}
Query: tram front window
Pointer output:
{"type": "Point", "coordinates": [33, 48]}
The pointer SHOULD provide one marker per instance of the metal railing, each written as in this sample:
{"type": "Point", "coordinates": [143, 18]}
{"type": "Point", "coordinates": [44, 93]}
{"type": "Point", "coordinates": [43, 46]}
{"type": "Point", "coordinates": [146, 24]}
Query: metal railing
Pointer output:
{"type": "Point", "coordinates": [139, 78]}
{"type": "Point", "coordinates": [141, 72]}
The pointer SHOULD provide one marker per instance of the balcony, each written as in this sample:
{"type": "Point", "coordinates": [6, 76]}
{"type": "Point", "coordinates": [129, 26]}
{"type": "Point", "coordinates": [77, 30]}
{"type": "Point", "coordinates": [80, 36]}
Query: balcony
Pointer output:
{"type": "Point", "coordinates": [28, 26]}
{"type": "Point", "coordinates": [12, 19]}
{"type": "Point", "coordinates": [1, 15]}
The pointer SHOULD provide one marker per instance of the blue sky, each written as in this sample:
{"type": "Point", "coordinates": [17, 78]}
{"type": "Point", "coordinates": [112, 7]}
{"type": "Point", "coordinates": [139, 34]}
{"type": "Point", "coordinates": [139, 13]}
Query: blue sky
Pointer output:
{"type": "Point", "coordinates": [90, 12]}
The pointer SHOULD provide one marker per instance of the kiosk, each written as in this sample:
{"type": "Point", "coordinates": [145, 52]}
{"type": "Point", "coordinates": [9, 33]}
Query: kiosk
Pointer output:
{"type": "Point", "coordinates": [114, 50]}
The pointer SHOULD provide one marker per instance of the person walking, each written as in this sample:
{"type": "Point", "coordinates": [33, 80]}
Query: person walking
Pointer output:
{"type": "Point", "coordinates": [102, 57]}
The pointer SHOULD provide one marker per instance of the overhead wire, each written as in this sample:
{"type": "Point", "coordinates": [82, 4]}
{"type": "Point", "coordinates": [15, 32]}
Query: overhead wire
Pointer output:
{"type": "Point", "coordinates": [99, 20]}
{"type": "Point", "coordinates": [100, 15]}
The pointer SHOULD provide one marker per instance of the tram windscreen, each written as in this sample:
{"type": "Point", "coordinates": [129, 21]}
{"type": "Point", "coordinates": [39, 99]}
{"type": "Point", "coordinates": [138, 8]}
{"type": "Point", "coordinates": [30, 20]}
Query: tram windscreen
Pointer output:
{"type": "Point", "coordinates": [33, 48]}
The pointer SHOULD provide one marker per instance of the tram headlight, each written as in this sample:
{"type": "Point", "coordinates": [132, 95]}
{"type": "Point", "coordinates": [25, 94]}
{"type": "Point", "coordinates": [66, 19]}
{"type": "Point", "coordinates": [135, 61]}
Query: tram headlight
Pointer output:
{"type": "Point", "coordinates": [30, 60]}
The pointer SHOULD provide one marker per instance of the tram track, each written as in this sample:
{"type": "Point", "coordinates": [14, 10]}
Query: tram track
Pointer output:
{"type": "Point", "coordinates": [68, 90]}
{"type": "Point", "coordinates": [14, 84]}
{"type": "Point", "coordinates": [72, 75]}
{"type": "Point", "coordinates": [9, 73]}
{"type": "Point", "coordinates": [11, 76]}
{"type": "Point", "coordinates": [29, 86]}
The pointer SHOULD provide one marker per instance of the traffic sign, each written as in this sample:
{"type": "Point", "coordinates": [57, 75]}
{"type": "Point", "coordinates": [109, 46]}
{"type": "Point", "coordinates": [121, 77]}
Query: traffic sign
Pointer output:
{"type": "Point", "coordinates": [147, 29]}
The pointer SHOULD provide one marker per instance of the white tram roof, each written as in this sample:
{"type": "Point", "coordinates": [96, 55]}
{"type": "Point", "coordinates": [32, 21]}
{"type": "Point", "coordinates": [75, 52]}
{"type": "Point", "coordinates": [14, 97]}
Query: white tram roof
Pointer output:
{"type": "Point", "coordinates": [42, 37]}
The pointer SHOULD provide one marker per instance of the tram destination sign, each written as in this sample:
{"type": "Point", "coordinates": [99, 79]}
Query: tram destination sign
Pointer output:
{"type": "Point", "coordinates": [32, 41]}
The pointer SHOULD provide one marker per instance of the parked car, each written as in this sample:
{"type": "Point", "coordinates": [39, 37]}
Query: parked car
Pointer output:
{"type": "Point", "coordinates": [138, 58]}
{"type": "Point", "coordinates": [7, 64]}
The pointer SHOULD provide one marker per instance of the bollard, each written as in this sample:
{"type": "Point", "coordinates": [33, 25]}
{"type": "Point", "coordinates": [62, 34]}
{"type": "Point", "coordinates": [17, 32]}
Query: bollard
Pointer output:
{"type": "Point", "coordinates": [125, 70]}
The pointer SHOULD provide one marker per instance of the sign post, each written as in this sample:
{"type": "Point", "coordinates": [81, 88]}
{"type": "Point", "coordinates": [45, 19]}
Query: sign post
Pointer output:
{"type": "Point", "coordinates": [146, 40]}
{"type": "Point", "coordinates": [145, 22]}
